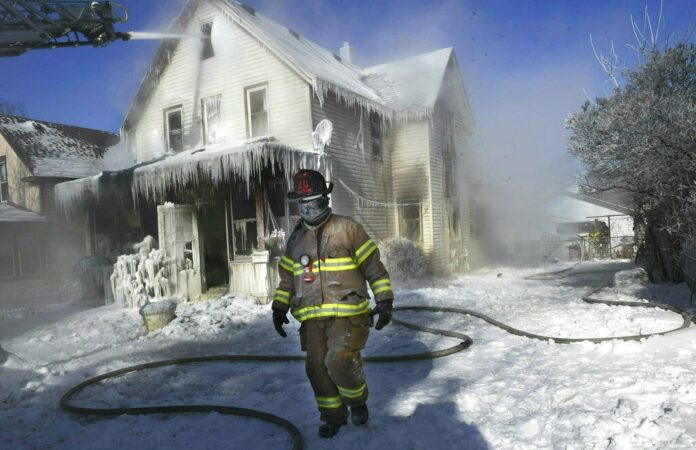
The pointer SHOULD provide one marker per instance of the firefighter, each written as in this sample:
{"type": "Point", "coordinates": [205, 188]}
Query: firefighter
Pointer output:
{"type": "Point", "coordinates": [328, 261]}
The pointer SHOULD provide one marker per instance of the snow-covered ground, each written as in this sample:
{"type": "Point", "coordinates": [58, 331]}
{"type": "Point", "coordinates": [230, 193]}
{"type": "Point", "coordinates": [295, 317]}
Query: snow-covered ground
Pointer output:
{"type": "Point", "coordinates": [505, 392]}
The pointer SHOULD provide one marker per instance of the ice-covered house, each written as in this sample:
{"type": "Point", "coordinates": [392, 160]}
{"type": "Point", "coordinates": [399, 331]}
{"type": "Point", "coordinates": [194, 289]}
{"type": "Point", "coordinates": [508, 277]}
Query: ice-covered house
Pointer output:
{"type": "Point", "coordinates": [37, 250]}
{"type": "Point", "coordinates": [219, 126]}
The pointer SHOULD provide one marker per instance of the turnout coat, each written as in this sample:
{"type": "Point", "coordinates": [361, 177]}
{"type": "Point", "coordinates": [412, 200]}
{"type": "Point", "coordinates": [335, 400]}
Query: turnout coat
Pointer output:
{"type": "Point", "coordinates": [325, 271]}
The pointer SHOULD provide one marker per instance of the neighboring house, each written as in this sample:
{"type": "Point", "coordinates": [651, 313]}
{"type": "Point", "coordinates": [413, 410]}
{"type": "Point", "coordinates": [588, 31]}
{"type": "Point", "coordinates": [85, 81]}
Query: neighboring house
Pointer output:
{"type": "Point", "coordinates": [219, 126]}
{"type": "Point", "coordinates": [37, 251]}
{"type": "Point", "coordinates": [575, 215]}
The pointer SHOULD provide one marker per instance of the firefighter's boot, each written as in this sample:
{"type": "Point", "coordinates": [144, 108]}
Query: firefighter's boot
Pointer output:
{"type": "Point", "coordinates": [329, 430]}
{"type": "Point", "coordinates": [359, 415]}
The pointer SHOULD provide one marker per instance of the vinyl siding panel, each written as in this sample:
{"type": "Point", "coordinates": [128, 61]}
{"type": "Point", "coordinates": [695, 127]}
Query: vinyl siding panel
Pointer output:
{"type": "Point", "coordinates": [357, 169]}
{"type": "Point", "coordinates": [240, 61]}
{"type": "Point", "coordinates": [410, 173]}
{"type": "Point", "coordinates": [439, 198]}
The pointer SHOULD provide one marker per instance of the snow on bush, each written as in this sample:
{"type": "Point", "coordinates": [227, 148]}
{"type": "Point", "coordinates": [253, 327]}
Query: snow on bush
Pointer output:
{"type": "Point", "coordinates": [631, 276]}
{"type": "Point", "coordinates": [403, 258]}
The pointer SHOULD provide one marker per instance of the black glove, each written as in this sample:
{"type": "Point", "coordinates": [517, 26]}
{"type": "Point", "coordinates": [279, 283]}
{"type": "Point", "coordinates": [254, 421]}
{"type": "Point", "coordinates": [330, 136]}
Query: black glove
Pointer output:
{"type": "Point", "coordinates": [384, 309]}
{"type": "Point", "coordinates": [279, 318]}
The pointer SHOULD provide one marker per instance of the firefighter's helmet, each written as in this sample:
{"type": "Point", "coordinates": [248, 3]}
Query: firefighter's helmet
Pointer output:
{"type": "Point", "coordinates": [309, 184]}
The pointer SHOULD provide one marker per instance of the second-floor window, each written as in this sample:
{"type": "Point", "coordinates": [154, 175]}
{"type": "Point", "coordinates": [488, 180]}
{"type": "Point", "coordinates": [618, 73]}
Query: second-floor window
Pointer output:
{"type": "Point", "coordinates": [174, 129]}
{"type": "Point", "coordinates": [257, 111]}
{"type": "Point", "coordinates": [4, 190]}
{"type": "Point", "coordinates": [212, 119]}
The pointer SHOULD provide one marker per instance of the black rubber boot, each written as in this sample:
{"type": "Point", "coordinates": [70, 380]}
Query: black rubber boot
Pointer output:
{"type": "Point", "coordinates": [359, 415]}
{"type": "Point", "coordinates": [329, 430]}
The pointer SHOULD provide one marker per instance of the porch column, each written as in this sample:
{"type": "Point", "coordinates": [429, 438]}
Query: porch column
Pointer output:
{"type": "Point", "coordinates": [260, 194]}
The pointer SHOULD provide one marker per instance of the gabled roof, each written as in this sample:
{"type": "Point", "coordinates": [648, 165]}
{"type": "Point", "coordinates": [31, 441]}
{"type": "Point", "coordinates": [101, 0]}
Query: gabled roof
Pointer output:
{"type": "Point", "coordinates": [411, 84]}
{"type": "Point", "coordinates": [56, 150]}
{"type": "Point", "coordinates": [402, 89]}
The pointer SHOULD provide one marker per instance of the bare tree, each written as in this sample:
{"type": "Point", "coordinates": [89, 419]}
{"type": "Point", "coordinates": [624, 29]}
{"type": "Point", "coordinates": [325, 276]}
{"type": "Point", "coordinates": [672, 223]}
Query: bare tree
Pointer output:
{"type": "Point", "coordinates": [11, 109]}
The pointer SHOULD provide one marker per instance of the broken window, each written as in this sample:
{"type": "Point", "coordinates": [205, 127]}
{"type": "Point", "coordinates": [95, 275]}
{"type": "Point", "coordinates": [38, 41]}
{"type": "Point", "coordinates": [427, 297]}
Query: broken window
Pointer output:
{"type": "Point", "coordinates": [212, 119]}
{"type": "Point", "coordinates": [4, 191]}
{"type": "Point", "coordinates": [174, 129]}
{"type": "Point", "coordinates": [7, 268]}
{"type": "Point", "coordinates": [410, 220]}
{"type": "Point", "coordinates": [376, 128]}
{"type": "Point", "coordinates": [257, 111]}
{"type": "Point", "coordinates": [207, 50]}
{"type": "Point", "coordinates": [29, 254]}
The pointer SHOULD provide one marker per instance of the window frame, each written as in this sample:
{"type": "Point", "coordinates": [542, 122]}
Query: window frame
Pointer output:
{"type": "Point", "coordinates": [167, 113]}
{"type": "Point", "coordinates": [204, 116]}
{"type": "Point", "coordinates": [410, 203]}
{"type": "Point", "coordinates": [42, 266]}
{"type": "Point", "coordinates": [10, 237]}
{"type": "Point", "coordinates": [247, 105]}
{"type": "Point", "coordinates": [207, 50]}
{"type": "Point", "coordinates": [376, 122]}
{"type": "Point", "coordinates": [4, 185]}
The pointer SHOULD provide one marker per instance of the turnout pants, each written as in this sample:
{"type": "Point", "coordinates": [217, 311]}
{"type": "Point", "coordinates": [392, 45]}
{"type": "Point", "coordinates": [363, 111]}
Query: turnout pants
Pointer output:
{"type": "Point", "coordinates": [334, 365]}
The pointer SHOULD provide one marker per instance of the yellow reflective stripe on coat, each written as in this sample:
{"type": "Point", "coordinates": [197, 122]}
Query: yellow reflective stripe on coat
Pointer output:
{"type": "Point", "coordinates": [282, 296]}
{"type": "Point", "coordinates": [286, 263]}
{"type": "Point", "coordinates": [352, 393]}
{"type": "Point", "coordinates": [329, 402]}
{"type": "Point", "coordinates": [365, 251]}
{"type": "Point", "coordinates": [337, 264]}
{"type": "Point", "coordinates": [331, 310]}
{"type": "Point", "coordinates": [381, 285]}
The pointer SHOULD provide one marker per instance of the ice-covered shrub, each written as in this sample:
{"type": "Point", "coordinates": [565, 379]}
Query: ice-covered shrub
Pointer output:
{"type": "Point", "coordinates": [403, 258]}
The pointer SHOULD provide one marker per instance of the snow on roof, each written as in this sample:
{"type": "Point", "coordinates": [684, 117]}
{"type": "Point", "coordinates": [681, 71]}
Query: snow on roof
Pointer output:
{"type": "Point", "coordinates": [411, 86]}
{"type": "Point", "coordinates": [325, 69]}
{"type": "Point", "coordinates": [10, 212]}
{"type": "Point", "coordinates": [56, 150]}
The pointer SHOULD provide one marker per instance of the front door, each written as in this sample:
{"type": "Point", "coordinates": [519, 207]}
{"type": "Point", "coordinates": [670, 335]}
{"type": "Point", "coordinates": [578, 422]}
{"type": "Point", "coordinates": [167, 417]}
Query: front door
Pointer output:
{"type": "Point", "coordinates": [180, 236]}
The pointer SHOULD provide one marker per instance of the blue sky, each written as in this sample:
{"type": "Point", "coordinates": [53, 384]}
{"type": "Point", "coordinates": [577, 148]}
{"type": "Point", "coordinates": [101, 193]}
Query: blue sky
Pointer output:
{"type": "Point", "coordinates": [527, 64]}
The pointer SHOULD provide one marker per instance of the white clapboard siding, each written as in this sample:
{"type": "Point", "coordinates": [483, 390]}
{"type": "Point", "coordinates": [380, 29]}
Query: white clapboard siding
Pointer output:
{"type": "Point", "coordinates": [439, 200]}
{"type": "Point", "coordinates": [364, 175]}
{"type": "Point", "coordinates": [411, 174]}
{"type": "Point", "coordinates": [240, 61]}
{"type": "Point", "coordinates": [462, 152]}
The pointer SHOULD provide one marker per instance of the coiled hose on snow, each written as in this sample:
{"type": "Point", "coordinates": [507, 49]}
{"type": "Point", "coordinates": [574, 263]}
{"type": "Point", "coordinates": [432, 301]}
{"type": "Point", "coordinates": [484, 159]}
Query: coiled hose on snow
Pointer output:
{"type": "Point", "coordinates": [297, 440]}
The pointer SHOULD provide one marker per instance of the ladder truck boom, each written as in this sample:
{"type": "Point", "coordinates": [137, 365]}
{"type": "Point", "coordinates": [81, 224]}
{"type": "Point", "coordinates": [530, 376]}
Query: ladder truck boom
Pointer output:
{"type": "Point", "coordinates": [39, 24]}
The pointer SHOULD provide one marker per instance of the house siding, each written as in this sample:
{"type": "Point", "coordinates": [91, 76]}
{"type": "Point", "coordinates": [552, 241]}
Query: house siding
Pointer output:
{"type": "Point", "coordinates": [21, 193]}
{"type": "Point", "coordinates": [240, 61]}
{"type": "Point", "coordinates": [369, 178]}
{"type": "Point", "coordinates": [411, 174]}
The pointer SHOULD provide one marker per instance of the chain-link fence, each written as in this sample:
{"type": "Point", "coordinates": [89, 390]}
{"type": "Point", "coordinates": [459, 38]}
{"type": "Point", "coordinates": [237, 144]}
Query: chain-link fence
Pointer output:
{"type": "Point", "coordinates": [578, 249]}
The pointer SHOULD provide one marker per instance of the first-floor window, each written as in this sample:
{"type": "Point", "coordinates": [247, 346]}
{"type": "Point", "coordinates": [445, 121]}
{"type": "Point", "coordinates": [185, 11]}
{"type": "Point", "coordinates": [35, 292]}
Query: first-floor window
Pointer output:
{"type": "Point", "coordinates": [29, 254]}
{"type": "Point", "coordinates": [174, 129]}
{"type": "Point", "coordinates": [410, 220]}
{"type": "Point", "coordinates": [257, 111]}
{"type": "Point", "coordinates": [4, 191]}
{"type": "Point", "coordinates": [7, 266]}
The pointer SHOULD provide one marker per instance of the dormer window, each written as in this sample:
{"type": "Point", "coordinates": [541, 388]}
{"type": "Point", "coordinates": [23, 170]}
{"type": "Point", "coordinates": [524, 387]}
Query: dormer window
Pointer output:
{"type": "Point", "coordinates": [206, 31]}
{"type": "Point", "coordinates": [257, 111]}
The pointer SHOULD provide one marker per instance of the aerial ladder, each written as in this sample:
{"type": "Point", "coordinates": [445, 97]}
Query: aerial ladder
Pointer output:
{"type": "Point", "coordinates": [38, 24]}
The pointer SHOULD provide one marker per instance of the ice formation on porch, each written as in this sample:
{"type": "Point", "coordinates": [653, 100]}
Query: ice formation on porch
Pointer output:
{"type": "Point", "coordinates": [217, 164]}
{"type": "Point", "coordinates": [141, 277]}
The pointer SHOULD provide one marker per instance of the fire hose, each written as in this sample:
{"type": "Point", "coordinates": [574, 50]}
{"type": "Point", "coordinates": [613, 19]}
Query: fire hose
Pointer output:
{"type": "Point", "coordinates": [289, 427]}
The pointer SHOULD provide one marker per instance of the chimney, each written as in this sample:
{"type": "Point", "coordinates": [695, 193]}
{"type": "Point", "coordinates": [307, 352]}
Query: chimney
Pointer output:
{"type": "Point", "coordinates": [346, 53]}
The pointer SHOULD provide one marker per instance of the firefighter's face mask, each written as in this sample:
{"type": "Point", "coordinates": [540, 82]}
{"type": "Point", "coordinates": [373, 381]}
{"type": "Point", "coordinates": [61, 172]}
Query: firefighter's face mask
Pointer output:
{"type": "Point", "coordinates": [314, 211]}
